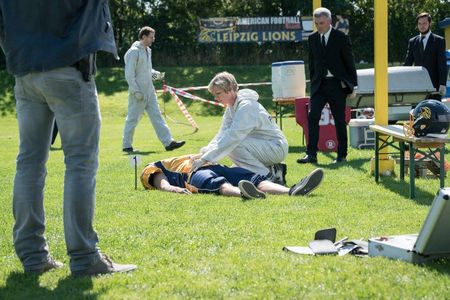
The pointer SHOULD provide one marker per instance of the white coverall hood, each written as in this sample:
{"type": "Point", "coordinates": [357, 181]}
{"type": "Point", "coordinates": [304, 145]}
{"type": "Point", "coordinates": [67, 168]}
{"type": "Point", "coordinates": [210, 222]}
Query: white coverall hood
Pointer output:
{"type": "Point", "coordinates": [137, 44]}
{"type": "Point", "coordinates": [138, 69]}
{"type": "Point", "coordinates": [248, 136]}
{"type": "Point", "coordinates": [246, 94]}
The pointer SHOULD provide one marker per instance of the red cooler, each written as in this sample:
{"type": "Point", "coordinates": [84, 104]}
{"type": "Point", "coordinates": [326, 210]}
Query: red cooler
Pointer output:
{"type": "Point", "coordinates": [327, 132]}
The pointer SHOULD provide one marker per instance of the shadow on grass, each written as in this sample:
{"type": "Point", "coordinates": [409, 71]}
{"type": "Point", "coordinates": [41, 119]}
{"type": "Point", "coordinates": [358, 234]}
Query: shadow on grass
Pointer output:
{"type": "Point", "coordinates": [391, 183]}
{"type": "Point", "coordinates": [402, 188]}
{"type": "Point", "coordinates": [144, 153]}
{"type": "Point", "coordinates": [353, 163]}
{"type": "Point", "coordinates": [111, 80]}
{"type": "Point", "coordinates": [394, 184]}
{"type": "Point", "coordinates": [26, 286]}
{"type": "Point", "coordinates": [441, 266]}
{"type": "Point", "coordinates": [297, 149]}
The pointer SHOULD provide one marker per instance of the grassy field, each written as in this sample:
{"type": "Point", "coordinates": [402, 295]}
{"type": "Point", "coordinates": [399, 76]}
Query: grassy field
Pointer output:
{"type": "Point", "coordinates": [206, 246]}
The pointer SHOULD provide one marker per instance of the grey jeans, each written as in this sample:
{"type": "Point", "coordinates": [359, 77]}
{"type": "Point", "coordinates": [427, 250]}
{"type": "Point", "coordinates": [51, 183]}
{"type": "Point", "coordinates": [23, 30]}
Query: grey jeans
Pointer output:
{"type": "Point", "coordinates": [41, 97]}
{"type": "Point", "coordinates": [135, 110]}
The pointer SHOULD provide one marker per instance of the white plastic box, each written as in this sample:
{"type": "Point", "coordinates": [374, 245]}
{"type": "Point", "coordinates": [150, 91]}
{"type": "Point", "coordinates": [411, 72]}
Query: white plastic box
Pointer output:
{"type": "Point", "coordinates": [288, 79]}
{"type": "Point", "coordinates": [361, 137]}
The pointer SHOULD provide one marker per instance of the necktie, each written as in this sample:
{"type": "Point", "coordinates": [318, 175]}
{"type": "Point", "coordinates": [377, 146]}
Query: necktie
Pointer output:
{"type": "Point", "coordinates": [325, 70]}
{"type": "Point", "coordinates": [422, 46]}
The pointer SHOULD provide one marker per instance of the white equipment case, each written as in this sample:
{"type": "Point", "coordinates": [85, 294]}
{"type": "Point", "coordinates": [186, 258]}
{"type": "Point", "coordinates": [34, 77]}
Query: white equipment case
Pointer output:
{"type": "Point", "coordinates": [432, 242]}
{"type": "Point", "coordinates": [408, 85]}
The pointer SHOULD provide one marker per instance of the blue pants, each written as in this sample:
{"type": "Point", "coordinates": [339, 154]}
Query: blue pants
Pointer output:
{"type": "Point", "coordinates": [40, 98]}
{"type": "Point", "coordinates": [209, 179]}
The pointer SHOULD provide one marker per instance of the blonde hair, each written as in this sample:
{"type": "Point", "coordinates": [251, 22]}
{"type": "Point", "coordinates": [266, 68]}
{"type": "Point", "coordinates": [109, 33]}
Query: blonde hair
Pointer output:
{"type": "Point", "coordinates": [224, 81]}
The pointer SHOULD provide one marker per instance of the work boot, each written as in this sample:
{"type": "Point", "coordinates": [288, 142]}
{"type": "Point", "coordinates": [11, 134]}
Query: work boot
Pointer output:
{"type": "Point", "coordinates": [50, 264]}
{"type": "Point", "coordinates": [104, 266]}
{"type": "Point", "coordinates": [307, 159]}
{"type": "Point", "coordinates": [129, 150]}
{"type": "Point", "coordinates": [175, 145]}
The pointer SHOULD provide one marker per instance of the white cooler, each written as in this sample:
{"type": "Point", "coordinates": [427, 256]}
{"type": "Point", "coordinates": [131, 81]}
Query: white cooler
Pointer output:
{"type": "Point", "coordinates": [288, 79]}
{"type": "Point", "coordinates": [361, 137]}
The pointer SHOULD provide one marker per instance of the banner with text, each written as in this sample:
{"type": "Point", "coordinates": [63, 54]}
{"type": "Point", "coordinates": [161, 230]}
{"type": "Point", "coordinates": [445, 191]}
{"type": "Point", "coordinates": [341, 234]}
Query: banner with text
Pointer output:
{"type": "Point", "coordinates": [245, 30]}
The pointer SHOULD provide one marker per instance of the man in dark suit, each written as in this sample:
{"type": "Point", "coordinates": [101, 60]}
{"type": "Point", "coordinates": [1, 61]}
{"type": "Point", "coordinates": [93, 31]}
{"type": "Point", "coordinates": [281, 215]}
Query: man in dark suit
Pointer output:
{"type": "Point", "coordinates": [333, 76]}
{"type": "Point", "coordinates": [428, 50]}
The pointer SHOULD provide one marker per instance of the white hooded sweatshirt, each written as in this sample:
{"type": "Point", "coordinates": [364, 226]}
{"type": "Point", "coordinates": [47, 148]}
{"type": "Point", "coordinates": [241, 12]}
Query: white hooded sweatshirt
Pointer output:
{"type": "Point", "coordinates": [247, 122]}
{"type": "Point", "coordinates": [138, 69]}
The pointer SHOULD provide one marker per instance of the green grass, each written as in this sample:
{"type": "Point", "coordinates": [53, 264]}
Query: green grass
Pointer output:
{"type": "Point", "coordinates": [206, 246]}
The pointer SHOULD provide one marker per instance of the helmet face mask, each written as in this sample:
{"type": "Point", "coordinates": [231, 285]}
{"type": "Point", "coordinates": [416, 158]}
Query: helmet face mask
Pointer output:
{"type": "Point", "coordinates": [430, 118]}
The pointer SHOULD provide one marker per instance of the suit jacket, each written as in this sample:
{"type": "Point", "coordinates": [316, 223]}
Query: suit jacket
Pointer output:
{"type": "Point", "coordinates": [337, 58]}
{"type": "Point", "coordinates": [432, 58]}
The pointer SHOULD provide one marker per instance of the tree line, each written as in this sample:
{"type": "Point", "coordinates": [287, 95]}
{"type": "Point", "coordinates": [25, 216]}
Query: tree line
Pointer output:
{"type": "Point", "coordinates": [176, 24]}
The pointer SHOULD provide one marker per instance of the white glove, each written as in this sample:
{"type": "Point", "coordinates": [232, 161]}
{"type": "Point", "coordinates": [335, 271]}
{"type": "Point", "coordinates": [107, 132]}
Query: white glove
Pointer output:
{"type": "Point", "coordinates": [139, 96]}
{"type": "Point", "coordinates": [203, 150]}
{"type": "Point", "coordinates": [353, 94]}
{"type": "Point", "coordinates": [195, 156]}
{"type": "Point", "coordinates": [197, 163]}
{"type": "Point", "coordinates": [442, 90]}
{"type": "Point", "coordinates": [156, 75]}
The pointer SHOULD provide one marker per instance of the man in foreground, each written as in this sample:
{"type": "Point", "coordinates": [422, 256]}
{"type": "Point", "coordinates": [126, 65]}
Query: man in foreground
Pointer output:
{"type": "Point", "coordinates": [174, 175]}
{"type": "Point", "coordinates": [53, 61]}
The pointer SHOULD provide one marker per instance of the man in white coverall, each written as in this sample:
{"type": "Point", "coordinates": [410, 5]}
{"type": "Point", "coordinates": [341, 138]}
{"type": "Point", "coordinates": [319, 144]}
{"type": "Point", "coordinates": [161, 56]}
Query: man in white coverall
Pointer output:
{"type": "Point", "coordinates": [142, 95]}
{"type": "Point", "coordinates": [248, 136]}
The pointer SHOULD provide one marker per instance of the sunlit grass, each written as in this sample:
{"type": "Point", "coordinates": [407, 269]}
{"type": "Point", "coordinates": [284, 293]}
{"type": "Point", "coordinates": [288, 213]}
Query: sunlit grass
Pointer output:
{"type": "Point", "coordinates": [207, 246]}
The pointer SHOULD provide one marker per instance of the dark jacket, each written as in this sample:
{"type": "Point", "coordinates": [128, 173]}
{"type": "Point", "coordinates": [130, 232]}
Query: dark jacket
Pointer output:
{"type": "Point", "coordinates": [432, 58]}
{"type": "Point", "coordinates": [41, 35]}
{"type": "Point", "coordinates": [337, 58]}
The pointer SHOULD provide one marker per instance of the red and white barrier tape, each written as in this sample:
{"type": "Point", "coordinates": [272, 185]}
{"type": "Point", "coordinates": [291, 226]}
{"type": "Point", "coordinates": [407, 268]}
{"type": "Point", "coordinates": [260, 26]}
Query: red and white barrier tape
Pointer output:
{"type": "Point", "coordinates": [183, 109]}
{"type": "Point", "coordinates": [190, 96]}
{"type": "Point", "coordinates": [205, 87]}
{"type": "Point", "coordinates": [182, 92]}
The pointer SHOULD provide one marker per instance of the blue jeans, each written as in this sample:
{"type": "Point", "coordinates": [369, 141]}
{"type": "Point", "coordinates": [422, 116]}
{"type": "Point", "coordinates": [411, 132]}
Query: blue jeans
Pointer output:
{"type": "Point", "coordinates": [40, 98]}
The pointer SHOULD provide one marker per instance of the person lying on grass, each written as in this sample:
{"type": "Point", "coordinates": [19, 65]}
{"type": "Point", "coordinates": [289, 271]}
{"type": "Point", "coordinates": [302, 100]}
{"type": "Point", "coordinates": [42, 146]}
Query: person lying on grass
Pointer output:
{"type": "Point", "coordinates": [173, 175]}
